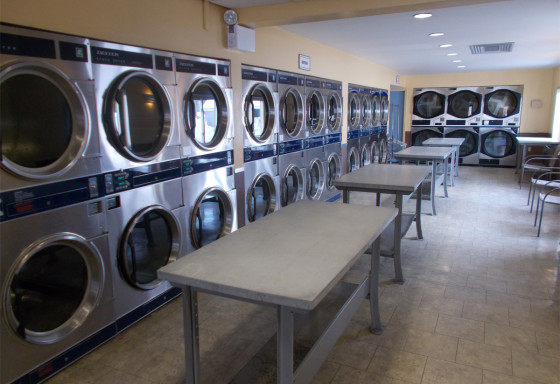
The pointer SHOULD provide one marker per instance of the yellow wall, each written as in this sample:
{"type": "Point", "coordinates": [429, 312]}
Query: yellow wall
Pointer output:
{"type": "Point", "coordinates": [538, 84]}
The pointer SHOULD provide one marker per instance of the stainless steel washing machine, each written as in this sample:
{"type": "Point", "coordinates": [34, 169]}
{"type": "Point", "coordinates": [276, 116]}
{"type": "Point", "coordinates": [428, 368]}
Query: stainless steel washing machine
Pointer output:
{"type": "Point", "coordinates": [428, 108]}
{"type": "Point", "coordinates": [333, 166]}
{"type": "Point", "coordinates": [470, 149]}
{"type": "Point", "coordinates": [376, 126]}
{"type": "Point", "coordinates": [365, 146]}
{"type": "Point", "coordinates": [354, 107]}
{"type": "Point", "coordinates": [464, 106]}
{"type": "Point", "coordinates": [315, 168]}
{"type": "Point", "coordinates": [292, 172]}
{"type": "Point", "coordinates": [332, 91]}
{"type": "Point", "coordinates": [47, 125]}
{"type": "Point", "coordinates": [291, 91]}
{"type": "Point", "coordinates": [135, 94]}
{"type": "Point", "coordinates": [502, 105]}
{"type": "Point", "coordinates": [421, 134]}
{"type": "Point", "coordinates": [498, 146]}
{"type": "Point", "coordinates": [210, 197]}
{"type": "Point", "coordinates": [145, 233]}
{"type": "Point", "coordinates": [367, 108]}
{"type": "Point", "coordinates": [315, 112]}
{"type": "Point", "coordinates": [384, 117]}
{"type": "Point", "coordinates": [262, 183]}
{"type": "Point", "coordinates": [353, 151]}
{"type": "Point", "coordinates": [57, 295]}
{"type": "Point", "coordinates": [205, 106]}
{"type": "Point", "coordinates": [260, 106]}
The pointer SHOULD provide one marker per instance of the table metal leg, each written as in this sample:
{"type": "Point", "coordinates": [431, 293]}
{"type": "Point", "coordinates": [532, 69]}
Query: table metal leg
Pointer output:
{"type": "Point", "coordinates": [399, 279]}
{"type": "Point", "coordinates": [445, 178]}
{"type": "Point", "coordinates": [419, 235]}
{"type": "Point", "coordinates": [433, 187]}
{"type": "Point", "coordinates": [457, 154]}
{"type": "Point", "coordinates": [285, 345]}
{"type": "Point", "coordinates": [378, 199]}
{"type": "Point", "coordinates": [345, 196]}
{"type": "Point", "coordinates": [190, 320]}
{"type": "Point", "coordinates": [520, 168]}
{"type": "Point", "coordinates": [376, 327]}
{"type": "Point", "coordinates": [452, 170]}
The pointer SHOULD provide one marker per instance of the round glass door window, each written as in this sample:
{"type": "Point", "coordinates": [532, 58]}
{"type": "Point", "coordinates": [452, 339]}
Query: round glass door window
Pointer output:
{"type": "Point", "coordinates": [374, 153]}
{"type": "Point", "coordinates": [138, 116]}
{"type": "Point", "coordinates": [315, 112]}
{"type": "Point", "coordinates": [470, 144]}
{"type": "Point", "coordinates": [334, 112]}
{"type": "Point", "coordinates": [354, 110]}
{"type": "Point", "coordinates": [383, 152]}
{"type": "Point", "coordinates": [429, 104]}
{"type": "Point", "coordinates": [333, 170]}
{"type": "Point", "coordinates": [366, 111]}
{"type": "Point", "coordinates": [291, 108]}
{"type": "Point", "coordinates": [53, 288]}
{"type": "Point", "coordinates": [502, 103]}
{"type": "Point", "coordinates": [259, 113]}
{"type": "Point", "coordinates": [38, 106]}
{"type": "Point", "coordinates": [314, 182]}
{"type": "Point", "coordinates": [353, 160]}
{"type": "Point", "coordinates": [150, 241]}
{"type": "Point", "coordinates": [261, 198]}
{"type": "Point", "coordinates": [384, 110]}
{"type": "Point", "coordinates": [365, 155]}
{"type": "Point", "coordinates": [498, 144]}
{"type": "Point", "coordinates": [211, 217]}
{"type": "Point", "coordinates": [463, 104]}
{"type": "Point", "coordinates": [206, 114]}
{"type": "Point", "coordinates": [292, 186]}
{"type": "Point", "coordinates": [375, 110]}
{"type": "Point", "coordinates": [419, 137]}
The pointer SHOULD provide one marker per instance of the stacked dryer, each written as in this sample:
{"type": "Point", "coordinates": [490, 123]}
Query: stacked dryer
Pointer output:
{"type": "Point", "coordinates": [384, 117]}
{"type": "Point", "coordinates": [366, 126]}
{"type": "Point", "coordinates": [206, 125]}
{"type": "Point", "coordinates": [354, 125]}
{"type": "Point", "coordinates": [56, 292]}
{"type": "Point", "coordinates": [292, 133]}
{"type": "Point", "coordinates": [376, 125]}
{"type": "Point", "coordinates": [332, 91]}
{"type": "Point", "coordinates": [428, 116]}
{"type": "Point", "coordinates": [260, 142]}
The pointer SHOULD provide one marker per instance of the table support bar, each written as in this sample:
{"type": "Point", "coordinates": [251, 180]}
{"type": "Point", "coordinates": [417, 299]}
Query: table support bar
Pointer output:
{"type": "Point", "coordinates": [190, 316]}
{"type": "Point", "coordinates": [285, 345]}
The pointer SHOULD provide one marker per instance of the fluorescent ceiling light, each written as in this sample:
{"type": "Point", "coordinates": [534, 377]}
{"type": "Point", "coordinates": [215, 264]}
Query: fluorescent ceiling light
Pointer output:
{"type": "Point", "coordinates": [457, 61]}
{"type": "Point", "coordinates": [452, 54]}
{"type": "Point", "coordinates": [422, 15]}
{"type": "Point", "coordinates": [461, 66]}
{"type": "Point", "coordinates": [436, 34]}
{"type": "Point", "coordinates": [445, 45]}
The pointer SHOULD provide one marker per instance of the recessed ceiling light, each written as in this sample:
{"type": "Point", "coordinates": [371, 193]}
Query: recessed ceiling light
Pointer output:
{"type": "Point", "coordinates": [422, 15]}
{"type": "Point", "coordinates": [461, 66]}
{"type": "Point", "coordinates": [445, 45]}
{"type": "Point", "coordinates": [452, 54]}
{"type": "Point", "coordinates": [436, 34]}
{"type": "Point", "coordinates": [457, 61]}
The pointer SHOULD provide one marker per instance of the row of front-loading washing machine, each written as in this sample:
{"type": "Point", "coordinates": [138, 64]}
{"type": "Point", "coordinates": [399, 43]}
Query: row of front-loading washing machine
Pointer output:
{"type": "Point", "coordinates": [368, 113]}
{"type": "Point", "coordinates": [488, 118]}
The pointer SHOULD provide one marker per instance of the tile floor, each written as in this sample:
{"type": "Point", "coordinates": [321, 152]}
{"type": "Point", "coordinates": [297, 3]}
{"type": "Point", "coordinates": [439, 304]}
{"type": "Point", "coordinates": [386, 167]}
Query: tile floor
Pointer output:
{"type": "Point", "coordinates": [480, 304]}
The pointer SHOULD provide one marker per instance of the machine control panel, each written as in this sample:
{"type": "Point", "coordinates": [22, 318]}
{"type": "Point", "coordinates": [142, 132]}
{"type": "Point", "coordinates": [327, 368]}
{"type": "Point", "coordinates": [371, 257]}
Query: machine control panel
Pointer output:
{"type": "Point", "coordinates": [126, 179]}
{"type": "Point", "coordinates": [197, 164]}
{"type": "Point", "coordinates": [259, 152]}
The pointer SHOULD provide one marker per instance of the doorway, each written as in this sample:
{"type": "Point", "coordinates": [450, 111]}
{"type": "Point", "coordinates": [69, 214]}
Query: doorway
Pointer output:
{"type": "Point", "coordinates": [396, 113]}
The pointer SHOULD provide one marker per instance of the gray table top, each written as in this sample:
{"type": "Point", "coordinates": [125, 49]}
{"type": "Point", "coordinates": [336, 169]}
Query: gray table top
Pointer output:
{"type": "Point", "coordinates": [524, 140]}
{"type": "Point", "coordinates": [384, 178]}
{"type": "Point", "coordinates": [419, 152]}
{"type": "Point", "coordinates": [292, 257]}
{"type": "Point", "coordinates": [444, 141]}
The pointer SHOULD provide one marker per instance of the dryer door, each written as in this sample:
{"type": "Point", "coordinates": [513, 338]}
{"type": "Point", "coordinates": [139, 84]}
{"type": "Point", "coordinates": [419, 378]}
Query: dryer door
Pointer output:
{"type": "Point", "coordinates": [354, 110]}
{"type": "Point", "coordinates": [384, 109]}
{"type": "Point", "coordinates": [138, 116]}
{"type": "Point", "coordinates": [44, 121]}
{"type": "Point", "coordinates": [315, 179]}
{"type": "Point", "coordinates": [498, 143]}
{"type": "Point", "coordinates": [52, 288]}
{"type": "Point", "coordinates": [292, 185]}
{"type": "Point", "coordinates": [291, 111]}
{"type": "Point", "coordinates": [353, 159]}
{"type": "Point", "coordinates": [365, 155]}
{"type": "Point", "coordinates": [334, 112]}
{"type": "Point", "coordinates": [502, 103]}
{"type": "Point", "coordinates": [429, 104]}
{"type": "Point", "coordinates": [150, 240]}
{"type": "Point", "coordinates": [464, 104]}
{"type": "Point", "coordinates": [383, 151]}
{"type": "Point", "coordinates": [367, 111]}
{"type": "Point", "coordinates": [261, 197]}
{"type": "Point", "coordinates": [259, 113]}
{"type": "Point", "coordinates": [469, 146]}
{"type": "Point", "coordinates": [374, 152]}
{"type": "Point", "coordinates": [376, 110]}
{"type": "Point", "coordinates": [334, 170]}
{"type": "Point", "coordinates": [315, 112]}
{"type": "Point", "coordinates": [211, 217]}
{"type": "Point", "coordinates": [419, 137]}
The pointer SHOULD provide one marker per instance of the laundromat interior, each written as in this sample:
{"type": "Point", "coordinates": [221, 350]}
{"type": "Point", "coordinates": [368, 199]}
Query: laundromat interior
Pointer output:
{"type": "Point", "coordinates": [244, 109]}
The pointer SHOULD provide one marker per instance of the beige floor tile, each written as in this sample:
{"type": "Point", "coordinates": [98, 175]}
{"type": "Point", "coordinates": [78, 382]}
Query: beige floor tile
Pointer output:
{"type": "Point", "coordinates": [475, 295]}
{"type": "Point", "coordinates": [484, 356]}
{"type": "Point", "coordinates": [514, 338]}
{"type": "Point", "coordinates": [538, 320]}
{"type": "Point", "coordinates": [393, 337]}
{"type": "Point", "coordinates": [491, 377]}
{"type": "Point", "coordinates": [442, 305]}
{"type": "Point", "coordinates": [326, 373]}
{"type": "Point", "coordinates": [513, 302]}
{"type": "Point", "coordinates": [485, 312]}
{"type": "Point", "coordinates": [166, 366]}
{"type": "Point", "coordinates": [432, 344]}
{"type": "Point", "coordinates": [536, 367]}
{"type": "Point", "coordinates": [348, 375]}
{"type": "Point", "coordinates": [398, 365]}
{"type": "Point", "coordinates": [352, 353]}
{"type": "Point", "coordinates": [462, 328]}
{"type": "Point", "coordinates": [414, 319]}
{"type": "Point", "coordinates": [445, 372]}
{"type": "Point", "coordinates": [549, 344]}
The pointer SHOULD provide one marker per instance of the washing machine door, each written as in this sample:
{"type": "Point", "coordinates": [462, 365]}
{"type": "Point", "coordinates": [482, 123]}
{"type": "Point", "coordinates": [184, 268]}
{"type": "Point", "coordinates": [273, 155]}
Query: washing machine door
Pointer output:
{"type": "Point", "coordinates": [211, 217]}
{"type": "Point", "coordinates": [376, 110]}
{"type": "Point", "coordinates": [315, 112]}
{"type": "Point", "coordinates": [366, 111]}
{"type": "Point", "coordinates": [334, 170]}
{"type": "Point", "coordinates": [470, 144]}
{"type": "Point", "coordinates": [354, 110]}
{"type": "Point", "coordinates": [502, 103]}
{"type": "Point", "coordinates": [383, 151]}
{"type": "Point", "coordinates": [384, 109]}
{"type": "Point", "coordinates": [334, 112]}
{"type": "Point", "coordinates": [291, 111]}
{"type": "Point", "coordinates": [52, 288]}
{"type": "Point", "coordinates": [259, 113]}
{"type": "Point", "coordinates": [205, 109]}
{"type": "Point", "coordinates": [365, 154]}
{"type": "Point", "coordinates": [150, 240]}
{"type": "Point", "coordinates": [44, 121]}
{"type": "Point", "coordinates": [429, 104]}
{"type": "Point", "coordinates": [292, 185]}
{"type": "Point", "coordinates": [498, 144]}
{"type": "Point", "coordinates": [353, 159]}
{"type": "Point", "coordinates": [138, 116]}
{"type": "Point", "coordinates": [315, 179]}
{"type": "Point", "coordinates": [261, 197]}
{"type": "Point", "coordinates": [374, 153]}
{"type": "Point", "coordinates": [464, 104]}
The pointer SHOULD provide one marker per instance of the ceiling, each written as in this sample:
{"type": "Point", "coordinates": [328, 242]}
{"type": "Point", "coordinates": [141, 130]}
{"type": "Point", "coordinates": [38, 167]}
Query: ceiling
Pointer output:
{"type": "Point", "coordinates": [393, 38]}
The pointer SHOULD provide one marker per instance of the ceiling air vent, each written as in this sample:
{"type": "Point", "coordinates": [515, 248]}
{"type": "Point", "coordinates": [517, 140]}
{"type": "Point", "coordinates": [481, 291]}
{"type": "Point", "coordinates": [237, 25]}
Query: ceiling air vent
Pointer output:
{"type": "Point", "coordinates": [491, 48]}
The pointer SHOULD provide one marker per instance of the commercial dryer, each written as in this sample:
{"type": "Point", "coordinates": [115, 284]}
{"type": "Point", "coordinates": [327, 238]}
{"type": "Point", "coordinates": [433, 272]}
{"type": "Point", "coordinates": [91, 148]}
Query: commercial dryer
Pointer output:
{"type": "Point", "coordinates": [56, 287]}
{"type": "Point", "coordinates": [291, 91]}
{"type": "Point", "coordinates": [292, 172]}
{"type": "Point", "coordinates": [428, 108]}
{"type": "Point", "coordinates": [333, 166]}
{"type": "Point", "coordinates": [205, 105]}
{"type": "Point", "coordinates": [262, 182]}
{"type": "Point", "coordinates": [353, 150]}
{"type": "Point", "coordinates": [464, 107]}
{"type": "Point", "coordinates": [315, 167]}
{"type": "Point", "coordinates": [135, 95]}
{"type": "Point", "coordinates": [47, 125]}
{"type": "Point", "coordinates": [315, 112]}
{"type": "Point", "coordinates": [470, 149]}
{"type": "Point", "coordinates": [354, 107]}
{"type": "Point", "coordinates": [502, 105]}
{"type": "Point", "coordinates": [332, 91]}
{"type": "Point", "coordinates": [365, 146]}
{"type": "Point", "coordinates": [384, 117]}
{"type": "Point", "coordinates": [498, 146]}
